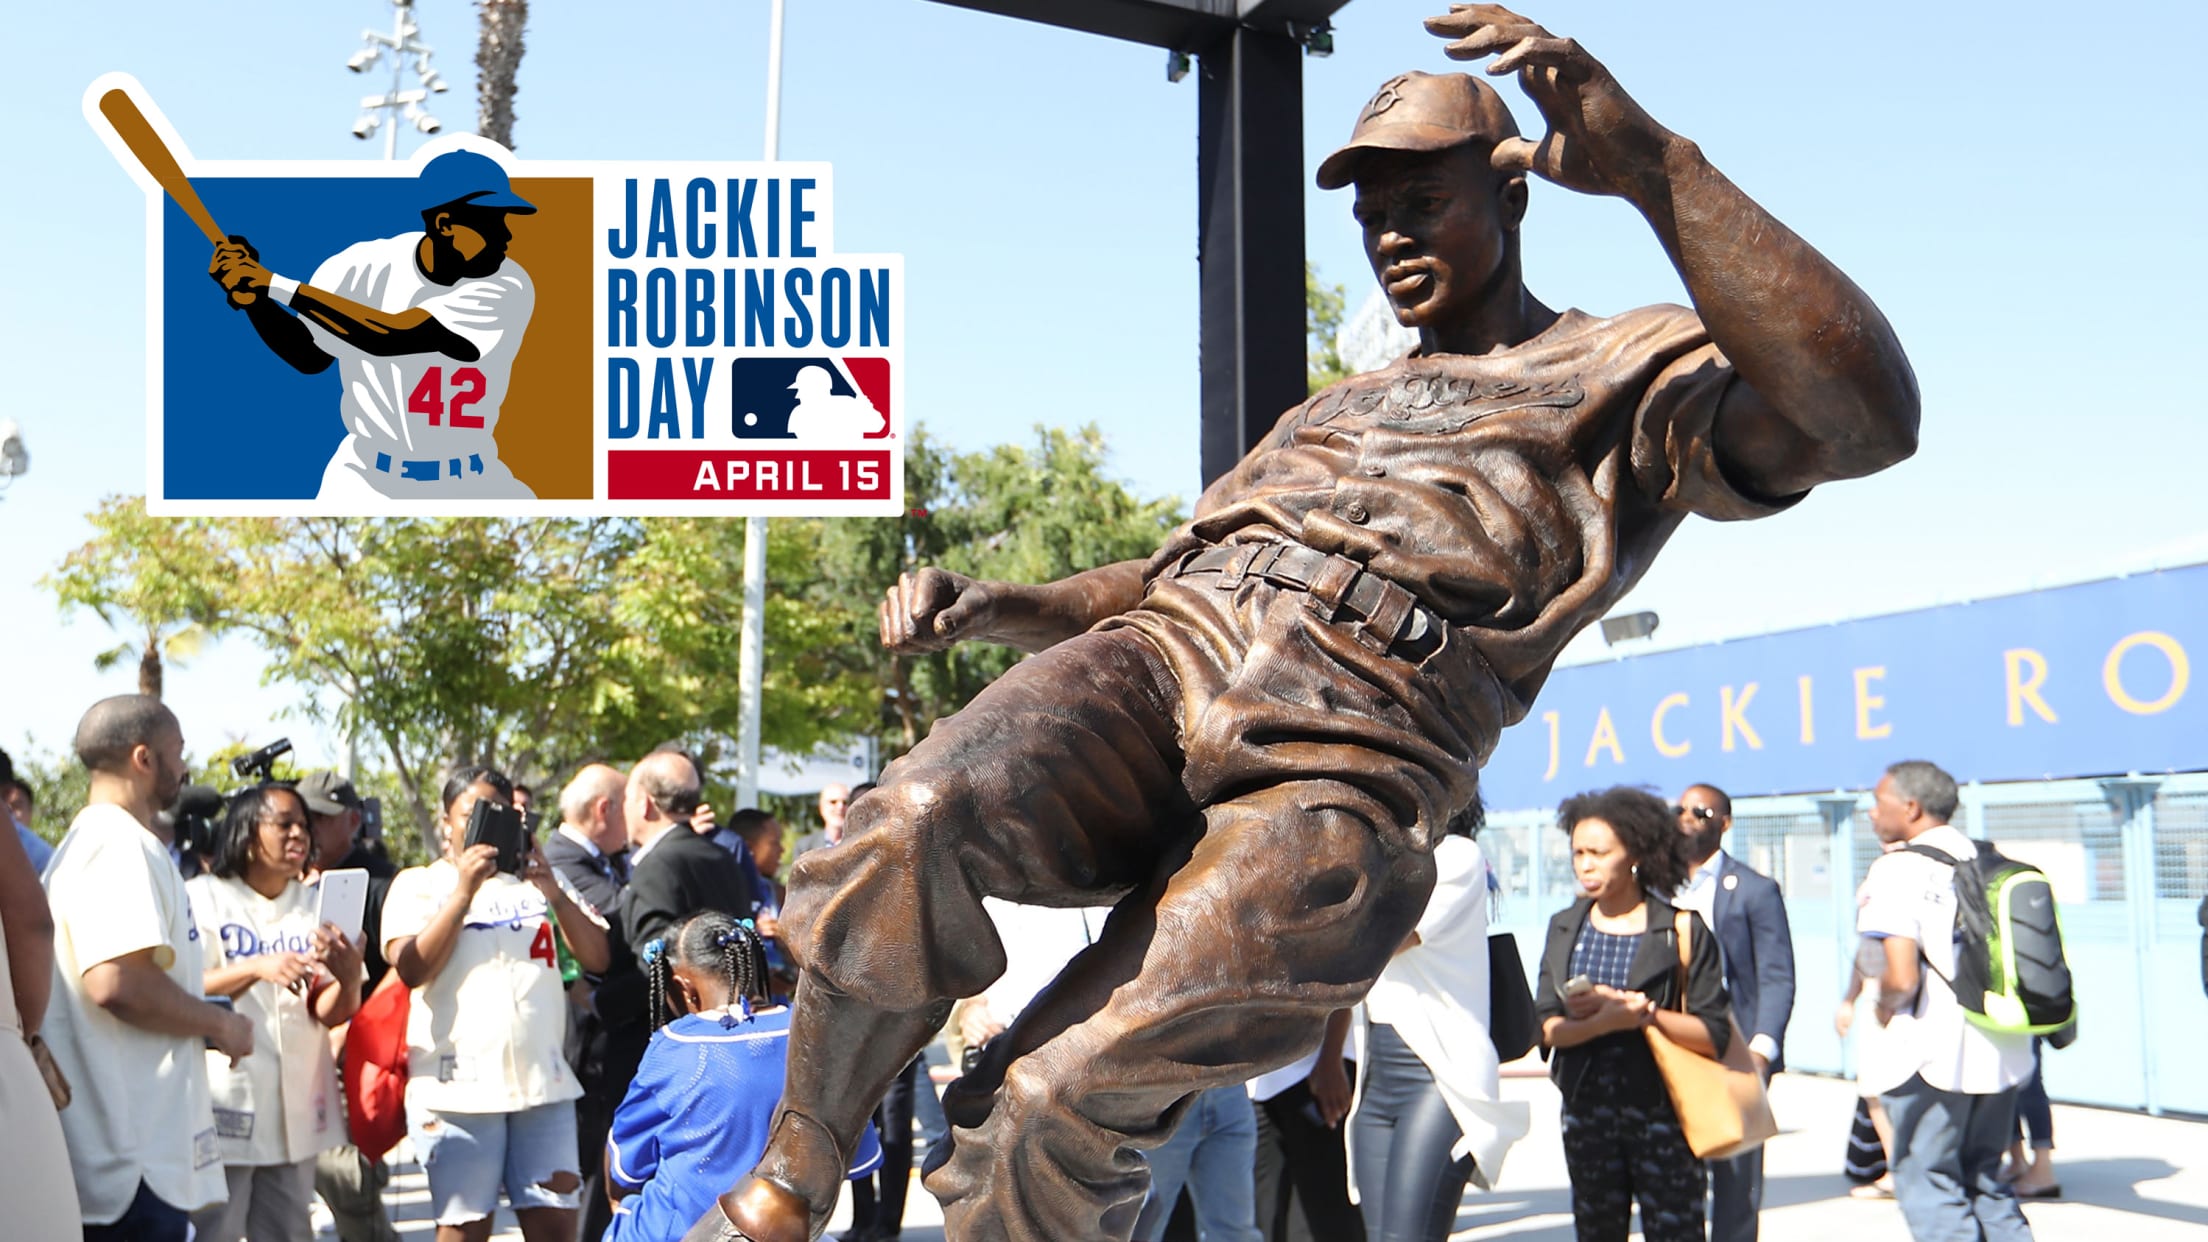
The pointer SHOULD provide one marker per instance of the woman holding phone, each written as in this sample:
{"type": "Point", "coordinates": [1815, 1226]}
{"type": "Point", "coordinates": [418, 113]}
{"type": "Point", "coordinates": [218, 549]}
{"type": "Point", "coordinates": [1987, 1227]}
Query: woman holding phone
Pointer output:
{"type": "Point", "coordinates": [1610, 969]}
{"type": "Point", "coordinates": [490, 1099]}
{"type": "Point", "coordinates": [278, 1109]}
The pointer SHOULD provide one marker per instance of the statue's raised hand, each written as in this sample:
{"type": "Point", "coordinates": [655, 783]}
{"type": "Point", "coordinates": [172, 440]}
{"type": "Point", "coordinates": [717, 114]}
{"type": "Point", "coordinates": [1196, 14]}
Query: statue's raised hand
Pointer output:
{"type": "Point", "coordinates": [1599, 140]}
{"type": "Point", "coordinates": [933, 608]}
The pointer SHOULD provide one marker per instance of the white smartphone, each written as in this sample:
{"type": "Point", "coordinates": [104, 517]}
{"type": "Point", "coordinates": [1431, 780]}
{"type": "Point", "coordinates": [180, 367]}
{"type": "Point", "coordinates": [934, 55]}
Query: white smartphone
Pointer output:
{"type": "Point", "coordinates": [1577, 985]}
{"type": "Point", "coordinates": [344, 900]}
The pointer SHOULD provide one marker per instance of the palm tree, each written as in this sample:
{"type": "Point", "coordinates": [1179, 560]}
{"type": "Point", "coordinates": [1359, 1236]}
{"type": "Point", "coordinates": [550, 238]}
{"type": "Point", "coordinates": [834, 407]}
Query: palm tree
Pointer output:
{"type": "Point", "coordinates": [497, 58]}
{"type": "Point", "coordinates": [160, 578]}
{"type": "Point", "coordinates": [174, 647]}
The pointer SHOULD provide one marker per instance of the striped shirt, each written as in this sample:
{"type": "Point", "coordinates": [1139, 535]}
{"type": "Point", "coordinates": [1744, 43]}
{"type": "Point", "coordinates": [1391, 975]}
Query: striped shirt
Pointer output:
{"type": "Point", "coordinates": [1604, 958]}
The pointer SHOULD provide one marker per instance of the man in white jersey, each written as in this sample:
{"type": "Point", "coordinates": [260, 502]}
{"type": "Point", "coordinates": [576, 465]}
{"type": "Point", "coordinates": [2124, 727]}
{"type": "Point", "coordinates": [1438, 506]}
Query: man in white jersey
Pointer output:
{"type": "Point", "coordinates": [424, 327]}
{"type": "Point", "coordinates": [128, 1024]}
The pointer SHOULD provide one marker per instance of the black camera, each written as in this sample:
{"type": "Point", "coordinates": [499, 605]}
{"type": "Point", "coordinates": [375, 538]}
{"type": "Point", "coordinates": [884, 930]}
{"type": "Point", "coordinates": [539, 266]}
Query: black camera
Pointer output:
{"type": "Point", "coordinates": [497, 824]}
{"type": "Point", "coordinates": [261, 764]}
{"type": "Point", "coordinates": [194, 819]}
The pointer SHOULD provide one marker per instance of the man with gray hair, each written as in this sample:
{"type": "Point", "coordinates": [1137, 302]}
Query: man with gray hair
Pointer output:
{"type": "Point", "coordinates": [591, 845]}
{"type": "Point", "coordinates": [1954, 1118]}
{"type": "Point", "coordinates": [674, 874]}
{"type": "Point", "coordinates": [127, 1022]}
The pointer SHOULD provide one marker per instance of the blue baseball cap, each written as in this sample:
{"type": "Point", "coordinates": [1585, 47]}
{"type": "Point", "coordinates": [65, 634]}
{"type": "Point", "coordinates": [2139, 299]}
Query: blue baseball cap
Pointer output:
{"type": "Point", "coordinates": [466, 177]}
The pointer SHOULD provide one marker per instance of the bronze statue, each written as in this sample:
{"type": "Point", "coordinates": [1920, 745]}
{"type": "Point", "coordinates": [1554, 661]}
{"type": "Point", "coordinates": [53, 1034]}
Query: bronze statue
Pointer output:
{"type": "Point", "coordinates": [1251, 740]}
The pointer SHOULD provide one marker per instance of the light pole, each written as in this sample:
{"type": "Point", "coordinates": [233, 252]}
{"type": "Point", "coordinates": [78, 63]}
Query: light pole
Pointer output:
{"type": "Point", "coordinates": [399, 104]}
{"type": "Point", "coordinates": [752, 644]}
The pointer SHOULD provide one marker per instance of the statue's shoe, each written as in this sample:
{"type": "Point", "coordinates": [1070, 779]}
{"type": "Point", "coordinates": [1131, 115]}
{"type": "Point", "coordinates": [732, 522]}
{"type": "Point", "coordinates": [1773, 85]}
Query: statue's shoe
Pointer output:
{"type": "Point", "coordinates": [756, 1211]}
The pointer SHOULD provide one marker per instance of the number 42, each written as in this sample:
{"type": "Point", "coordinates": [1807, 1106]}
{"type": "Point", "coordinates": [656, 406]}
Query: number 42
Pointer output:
{"type": "Point", "coordinates": [428, 397]}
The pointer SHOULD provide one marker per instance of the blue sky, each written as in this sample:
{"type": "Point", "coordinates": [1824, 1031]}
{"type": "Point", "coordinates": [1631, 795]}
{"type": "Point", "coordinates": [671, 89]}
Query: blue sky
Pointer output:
{"type": "Point", "coordinates": [2024, 206]}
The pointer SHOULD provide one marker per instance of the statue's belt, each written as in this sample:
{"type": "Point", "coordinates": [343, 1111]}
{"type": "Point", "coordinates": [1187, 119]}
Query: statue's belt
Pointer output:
{"type": "Point", "coordinates": [1389, 618]}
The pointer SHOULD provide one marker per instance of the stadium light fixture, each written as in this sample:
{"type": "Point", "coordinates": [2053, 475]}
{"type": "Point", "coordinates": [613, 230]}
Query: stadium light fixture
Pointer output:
{"type": "Point", "coordinates": [1625, 627]}
{"type": "Point", "coordinates": [407, 53]}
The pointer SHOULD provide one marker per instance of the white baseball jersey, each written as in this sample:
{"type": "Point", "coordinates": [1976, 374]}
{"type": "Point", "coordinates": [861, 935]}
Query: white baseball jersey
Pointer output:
{"type": "Point", "coordinates": [141, 1112]}
{"type": "Point", "coordinates": [485, 1032]}
{"type": "Point", "coordinates": [280, 1105]}
{"type": "Point", "coordinates": [426, 407]}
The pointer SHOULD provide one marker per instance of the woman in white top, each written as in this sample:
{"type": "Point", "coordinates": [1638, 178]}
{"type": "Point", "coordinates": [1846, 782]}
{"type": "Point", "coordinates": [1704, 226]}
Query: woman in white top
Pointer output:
{"type": "Point", "coordinates": [1883, 1059]}
{"type": "Point", "coordinates": [1427, 1116]}
{"type": "Point", "coordinates": [489, 1098]}
{"type": "Point", "coordinates": [278, 1108]}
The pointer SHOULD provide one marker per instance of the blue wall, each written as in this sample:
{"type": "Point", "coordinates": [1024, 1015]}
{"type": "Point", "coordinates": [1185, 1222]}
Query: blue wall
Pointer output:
{"type": "Point", "coordinates": [2075, 681]}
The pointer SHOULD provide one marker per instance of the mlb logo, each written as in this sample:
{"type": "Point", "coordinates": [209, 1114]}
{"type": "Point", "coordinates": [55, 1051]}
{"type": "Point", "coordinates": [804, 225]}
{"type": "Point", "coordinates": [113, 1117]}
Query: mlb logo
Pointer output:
{"type": "Point", "coordinates": [814, 400]}
{"type": "Point", "coordinates": [467, 333]}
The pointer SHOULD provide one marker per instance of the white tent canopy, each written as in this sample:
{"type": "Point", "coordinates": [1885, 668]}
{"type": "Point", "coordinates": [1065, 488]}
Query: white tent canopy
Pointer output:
{"type": "Point", "coordinates": [790, 775]}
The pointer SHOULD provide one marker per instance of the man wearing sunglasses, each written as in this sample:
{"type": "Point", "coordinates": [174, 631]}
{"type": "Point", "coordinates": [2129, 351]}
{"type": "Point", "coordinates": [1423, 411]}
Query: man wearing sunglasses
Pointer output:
{"type": "Point", "coordinates": [1749, 915]}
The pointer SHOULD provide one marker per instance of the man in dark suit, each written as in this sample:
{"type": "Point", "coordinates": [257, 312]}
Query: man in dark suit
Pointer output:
{"type": "Point", "coordinates": [673, 875]}
{"type": "Point", "coordinates": [606, 1040]}
{"type": "Point", "coordinates": [1745, 908]}
{"type": "Point", "coordinates": [590, 848]}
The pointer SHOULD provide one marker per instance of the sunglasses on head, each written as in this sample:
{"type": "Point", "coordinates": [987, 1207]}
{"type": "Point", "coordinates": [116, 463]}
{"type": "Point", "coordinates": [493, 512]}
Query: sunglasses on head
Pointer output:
{"type": "Point", "coordinates": [1703, 813]}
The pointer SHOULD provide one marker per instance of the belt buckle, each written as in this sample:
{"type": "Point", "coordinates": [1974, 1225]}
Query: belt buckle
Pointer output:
{"type": "Point", "coordinates": [1239, 568]}
{"type": "Point", "coordinates": [1331, 585]}
{"type": "Point", "coordinates": [1261, 565]}
{"type": "Point", "coordinates": [1388, 619]}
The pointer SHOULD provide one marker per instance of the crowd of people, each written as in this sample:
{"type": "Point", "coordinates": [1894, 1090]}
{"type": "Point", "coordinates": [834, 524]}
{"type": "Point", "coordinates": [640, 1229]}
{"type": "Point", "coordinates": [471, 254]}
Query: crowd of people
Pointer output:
{"type": "Point", "coordinates": [184, 1042]}
{"type": "Point", "coordinates": [194, 1052]}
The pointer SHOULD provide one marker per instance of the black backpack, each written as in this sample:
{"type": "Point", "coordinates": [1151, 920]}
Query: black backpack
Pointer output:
{"type": "Point", "coordinates": [2010, 973]}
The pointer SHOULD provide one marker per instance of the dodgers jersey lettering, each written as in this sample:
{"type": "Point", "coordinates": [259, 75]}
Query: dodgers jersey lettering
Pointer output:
{"type": "Point", "coordinates": [396, 405]}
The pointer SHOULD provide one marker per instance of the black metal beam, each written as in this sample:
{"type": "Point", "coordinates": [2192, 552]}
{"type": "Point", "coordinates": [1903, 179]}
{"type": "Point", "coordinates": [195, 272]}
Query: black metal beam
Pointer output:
{"type": "Point", "coordinates": [1250, 190]}
{"type": "Point", "coordinates": [1186, 25]}
{"type": "Point", "coordinates": [1250, 244]}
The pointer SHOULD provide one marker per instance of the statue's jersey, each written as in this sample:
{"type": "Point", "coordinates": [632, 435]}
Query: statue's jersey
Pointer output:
{"type": "Point", "coordinates": [1519, 492]}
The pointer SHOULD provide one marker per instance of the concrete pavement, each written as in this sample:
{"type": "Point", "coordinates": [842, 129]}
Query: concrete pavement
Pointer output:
{"type": "Point", "coordinates": [2125, 1176]}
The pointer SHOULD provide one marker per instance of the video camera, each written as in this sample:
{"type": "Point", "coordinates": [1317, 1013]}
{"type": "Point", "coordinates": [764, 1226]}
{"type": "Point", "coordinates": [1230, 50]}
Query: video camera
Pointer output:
{"type": "Point", "coordinates": [195, 817]}
{"type": "Point", "coordinates": [261, 764]}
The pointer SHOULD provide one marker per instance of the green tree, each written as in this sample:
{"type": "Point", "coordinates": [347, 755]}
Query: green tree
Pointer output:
{"type": "Point", "coordinates": [154, 580]}
{"type": "Point", "coordinates": [57, 782]}
{"type": "Point", "coordinates": [1322, 320]}
{"type": "Point", "coordinates": [681, 612]}
{"type": "Point", "coordinates": [1026, 513]}
{"type": "Point", "coordinates": [441, 641]}
{"type": "Point", "coordinates": [539, 645]}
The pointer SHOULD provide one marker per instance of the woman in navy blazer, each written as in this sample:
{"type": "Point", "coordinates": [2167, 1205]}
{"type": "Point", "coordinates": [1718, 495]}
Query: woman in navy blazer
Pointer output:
{"type": "Point", "coordinates": [1622, 1141]}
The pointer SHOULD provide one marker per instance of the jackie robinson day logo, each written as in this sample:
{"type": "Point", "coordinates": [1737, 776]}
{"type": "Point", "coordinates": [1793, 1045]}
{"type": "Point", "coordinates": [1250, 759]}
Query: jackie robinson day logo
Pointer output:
{"type": "Point", "coordinates": [471, 333]}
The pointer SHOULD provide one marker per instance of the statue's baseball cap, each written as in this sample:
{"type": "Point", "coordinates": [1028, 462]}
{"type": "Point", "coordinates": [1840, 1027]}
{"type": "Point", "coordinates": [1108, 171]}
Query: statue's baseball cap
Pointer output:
{"type": "Point", "coordinates": [1421, 112]}
{"type": "Point", "coordinates": [327, 793]}
{"type": "Point", "coordinates": [469, 178]}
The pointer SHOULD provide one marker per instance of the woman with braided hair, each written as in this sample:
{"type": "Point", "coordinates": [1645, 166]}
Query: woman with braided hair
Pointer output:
{"type": "Point", "coordinates": [696, 1115]}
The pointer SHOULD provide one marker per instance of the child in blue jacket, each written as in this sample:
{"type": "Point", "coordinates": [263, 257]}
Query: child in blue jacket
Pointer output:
{"type": "Point", "coordinates": [695, 1118]}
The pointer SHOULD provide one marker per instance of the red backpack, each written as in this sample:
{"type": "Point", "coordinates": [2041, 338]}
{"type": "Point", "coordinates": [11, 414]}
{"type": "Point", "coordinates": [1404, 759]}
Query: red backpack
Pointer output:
{"type": "Point", "coordinates": [375, 1069]}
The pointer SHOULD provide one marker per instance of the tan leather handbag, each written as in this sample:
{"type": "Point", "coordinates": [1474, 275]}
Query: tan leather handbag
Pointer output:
{"type": "Point", "coordinates": [1722, 1106]}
